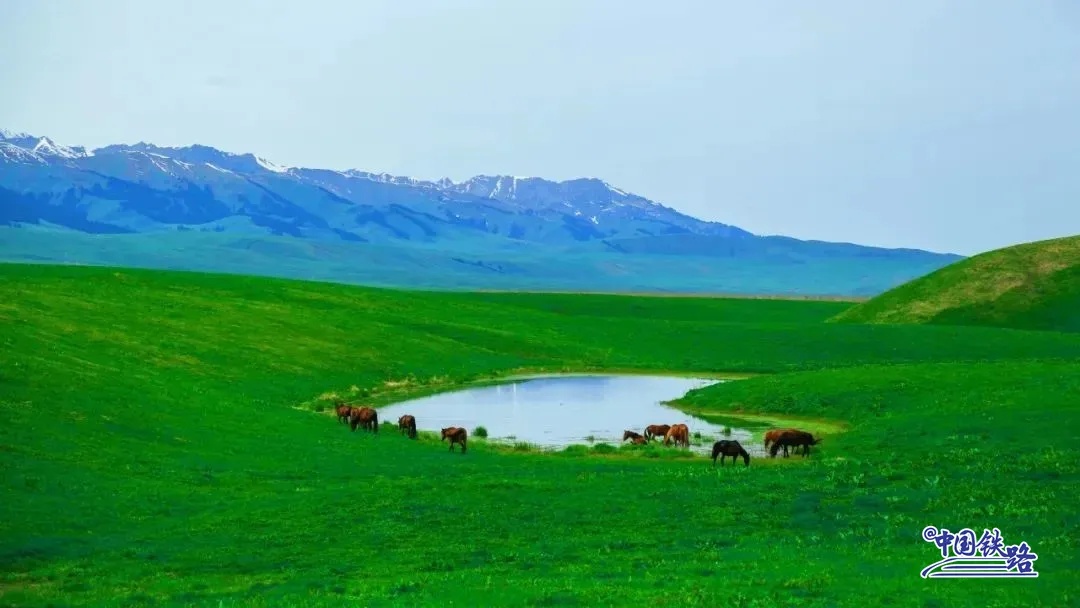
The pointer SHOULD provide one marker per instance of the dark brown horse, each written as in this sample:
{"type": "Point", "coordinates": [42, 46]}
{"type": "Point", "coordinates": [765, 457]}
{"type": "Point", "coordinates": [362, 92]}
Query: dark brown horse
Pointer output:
{"type": "Point", "coordinates": [772, 435]}
{"type": "Point", "coordinates": [364, 417]}
{"type": "Point", "coordinates": [635, 437]}
{"type": "Point", "coordinates": [729, 447]}
{"type": "Point", "coordinates": [343, 412]}
{"type": "Point", "coordinates": [656, 430]}
{"type": "Point", "coordinates": [680, 433]}
{"type": "Point", "coordinates": [455, 434]}
{"type": "Point", "coordinates": [793, 438]}
{"type": "Point", "coordinates": [407, 425]}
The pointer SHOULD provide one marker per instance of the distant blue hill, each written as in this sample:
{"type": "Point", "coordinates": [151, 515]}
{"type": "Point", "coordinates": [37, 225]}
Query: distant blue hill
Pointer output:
{"type": "Point", "coordinates": [199, 208]}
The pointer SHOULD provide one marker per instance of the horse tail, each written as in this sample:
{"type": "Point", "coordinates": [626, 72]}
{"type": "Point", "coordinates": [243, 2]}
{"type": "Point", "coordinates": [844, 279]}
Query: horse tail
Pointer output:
{"type": "Point", "coordinates": [375, 420]}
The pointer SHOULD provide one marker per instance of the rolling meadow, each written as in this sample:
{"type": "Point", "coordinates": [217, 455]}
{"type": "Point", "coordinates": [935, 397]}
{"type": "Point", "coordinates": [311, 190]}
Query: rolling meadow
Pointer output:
{"type": "Point", "coordinates": [166, 439]}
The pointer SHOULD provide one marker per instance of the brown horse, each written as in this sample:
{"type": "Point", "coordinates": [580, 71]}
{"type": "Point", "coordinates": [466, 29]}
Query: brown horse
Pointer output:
{"type": "Point", "coordinates": [729, 447]}
{"type": "Point", "coordinates": [772, 435]}
{"type": "Point", "coordinates": [455, 434]}
{"type": "Point", "coordinates": [636, 437]}
{"type": "Point", "coordinates": [407, 425]}
{"type": "Point", "coordinates": [656, 430]}
{"type": "Point", "coordinates": [680, 433]}
{"type": "Point", "coordinates": [343, 412]}
{"type": "Point", "coordinates": [794, 438]}
{"type": "Point", "coordinates": [364, 417]}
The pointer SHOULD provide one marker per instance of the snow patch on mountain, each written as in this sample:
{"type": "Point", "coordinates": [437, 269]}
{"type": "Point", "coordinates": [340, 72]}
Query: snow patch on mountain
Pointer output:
{"type": "Point", "coordinates": [6, 134]}
{"type": "Point", "coordinates": [47, 147]}
{"type": "Point", "coordinates": [269, 166]}
{"type": "Point", "coordinates": [16, 154]}
{"type": "Point", "coordinates": [217, 168]}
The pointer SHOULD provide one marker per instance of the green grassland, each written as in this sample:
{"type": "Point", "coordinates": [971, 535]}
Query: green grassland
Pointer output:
{"type": "Point", "coordinates": [1029, 286]}
{"type": "Point", "coordinates": [161, 445]}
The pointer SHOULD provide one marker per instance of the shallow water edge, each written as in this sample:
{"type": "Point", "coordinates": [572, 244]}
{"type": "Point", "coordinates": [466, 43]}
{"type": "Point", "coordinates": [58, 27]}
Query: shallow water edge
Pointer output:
{"type": "Point", "coordinates": [554, 411]}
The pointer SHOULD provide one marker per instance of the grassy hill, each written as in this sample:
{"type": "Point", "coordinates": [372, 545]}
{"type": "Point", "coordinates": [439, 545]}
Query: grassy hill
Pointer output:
{"type": "Point", "coordinates": [159, 448]}
{"type": "Point", "coordinates": [1030, 286]}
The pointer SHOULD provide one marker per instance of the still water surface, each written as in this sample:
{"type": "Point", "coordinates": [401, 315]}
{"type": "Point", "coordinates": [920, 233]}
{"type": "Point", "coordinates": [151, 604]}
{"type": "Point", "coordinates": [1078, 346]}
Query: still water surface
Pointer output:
{"type": "Point", "coordinates": [556, 411]}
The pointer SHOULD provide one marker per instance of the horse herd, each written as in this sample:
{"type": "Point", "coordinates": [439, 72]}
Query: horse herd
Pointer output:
{"type": "Point", "coordinates": [679, 434]}
{"type": "Point", "coordinates": [368, 419]}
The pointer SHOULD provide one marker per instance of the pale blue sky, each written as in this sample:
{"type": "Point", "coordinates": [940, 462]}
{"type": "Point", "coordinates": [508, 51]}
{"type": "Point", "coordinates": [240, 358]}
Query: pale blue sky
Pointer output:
{"type": "Point", "coordinates": [946, 125]}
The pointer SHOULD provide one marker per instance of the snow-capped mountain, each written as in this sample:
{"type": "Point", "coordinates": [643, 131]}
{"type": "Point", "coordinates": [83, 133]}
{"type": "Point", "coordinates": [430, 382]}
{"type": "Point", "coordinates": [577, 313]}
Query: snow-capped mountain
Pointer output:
{"type": "Point", "coordinates": [134, 188]}
{"type": "Point", "coordinates": [40, 146]}
{"type": "Point", "coordinates": [433, 227]}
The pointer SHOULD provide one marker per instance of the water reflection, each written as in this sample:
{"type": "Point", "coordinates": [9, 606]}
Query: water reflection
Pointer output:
{"type": "Point", "coordinates": [555, 411]}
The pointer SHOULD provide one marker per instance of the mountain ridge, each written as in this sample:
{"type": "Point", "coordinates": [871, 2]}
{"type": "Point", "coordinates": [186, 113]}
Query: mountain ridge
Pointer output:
{"type": "Point", "coordinates": [146, 189]}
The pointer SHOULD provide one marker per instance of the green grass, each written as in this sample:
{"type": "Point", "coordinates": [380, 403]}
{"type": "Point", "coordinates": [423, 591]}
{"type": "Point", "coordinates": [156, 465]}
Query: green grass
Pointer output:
{"type": "Point", "coordinates": [1030, 286]}
{"type": "Point", "coordinates": [159, 447]}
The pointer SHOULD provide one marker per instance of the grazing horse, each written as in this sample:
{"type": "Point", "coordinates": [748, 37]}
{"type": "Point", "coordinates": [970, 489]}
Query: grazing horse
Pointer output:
{"type": "Point", "coordinates": [407, 425]}
{"type": "Point", "coordinates": [795, 438]}
{"type": "Point", "coordinates": [343, 412]}
{"type": "Point", "coordinates": [656, 430]}
{"type": "Point", "coordinates": [364, 417]}
{"type": "Point", "coordinates": [729, 447]}
{"type": "Point", "coordinates": [456, 434]}
{"type": "Point", "coordinates": [680, 433]}
{"type": "Point", "coordinates": [772, 435]}
{"type": "Point", "coordinates": [636, 437]}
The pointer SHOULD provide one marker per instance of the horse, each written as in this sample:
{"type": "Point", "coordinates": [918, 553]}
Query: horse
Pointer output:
{"type": "Point", "coordinates": [793, 437]}
{"type": "Point", "coordinates": [637, 438]}
{"type": "Point", "coordinates": [407, 425]}
{"type": "Point", "coordinates": [656, 430]}
{"type": "Point", "coordinates": [343, 412]}
{"type": "Point", "coordinates": [680, 433]}
{"type": "Point", "coordinates": [729, 447]}
{"type": "Point", "coordinates": [772, 435]}
{"type": "Point", "coordinates": [364, 417]}
{"type": "Point", "coordinates": [455, 434]}
{"type": "Point", "coordinates": [785, 438]}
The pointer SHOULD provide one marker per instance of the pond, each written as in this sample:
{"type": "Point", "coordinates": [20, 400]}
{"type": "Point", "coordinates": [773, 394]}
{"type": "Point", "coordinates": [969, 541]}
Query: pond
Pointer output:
{"type": "Point", "coordinates": [556, 411]}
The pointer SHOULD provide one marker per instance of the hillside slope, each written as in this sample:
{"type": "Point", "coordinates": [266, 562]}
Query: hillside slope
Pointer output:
{"type": "Point", "coordinates": [1029, 286]}
{"type": "Point", "coordinates": [151, 456]}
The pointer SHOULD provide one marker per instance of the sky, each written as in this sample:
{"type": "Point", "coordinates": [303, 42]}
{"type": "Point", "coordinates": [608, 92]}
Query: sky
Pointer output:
{"type": "Point", "coordinates": [946, 125]}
